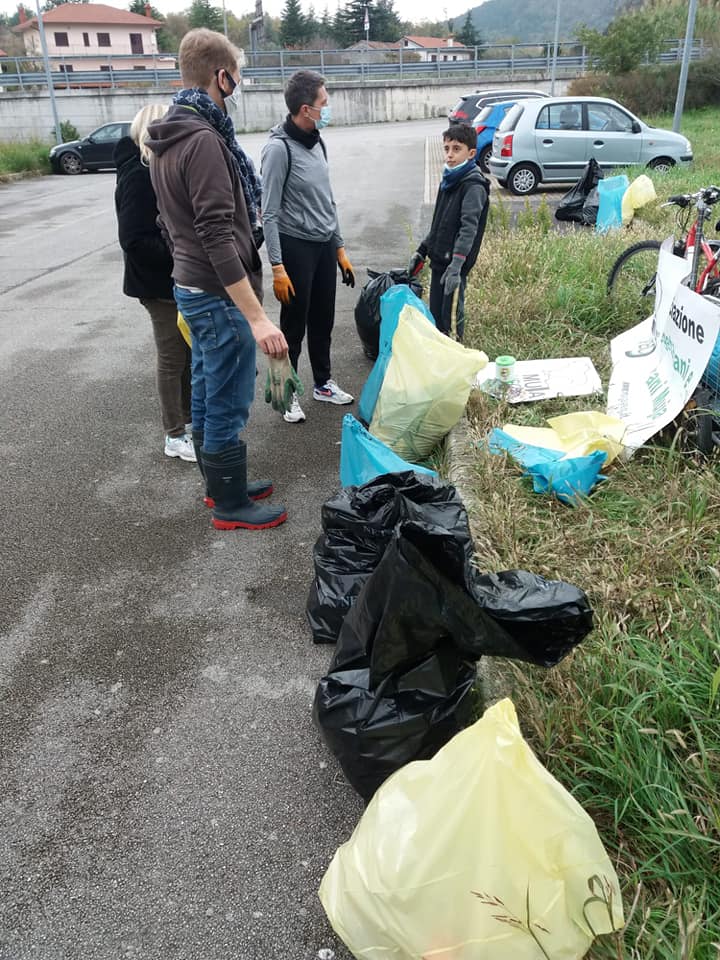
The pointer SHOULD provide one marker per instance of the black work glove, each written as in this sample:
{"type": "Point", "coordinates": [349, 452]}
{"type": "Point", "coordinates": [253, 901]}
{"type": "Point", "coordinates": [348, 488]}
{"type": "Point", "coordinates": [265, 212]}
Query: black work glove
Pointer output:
{"type": "Point", "coordinates": [417, 262]}
{"type": "Point", "coordinates": [451, 278]}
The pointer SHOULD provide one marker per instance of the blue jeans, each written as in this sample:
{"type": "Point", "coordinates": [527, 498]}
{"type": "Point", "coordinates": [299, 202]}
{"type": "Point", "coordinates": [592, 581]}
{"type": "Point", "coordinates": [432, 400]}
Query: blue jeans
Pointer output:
{"type": "Point", "coordinates": [223, 367]}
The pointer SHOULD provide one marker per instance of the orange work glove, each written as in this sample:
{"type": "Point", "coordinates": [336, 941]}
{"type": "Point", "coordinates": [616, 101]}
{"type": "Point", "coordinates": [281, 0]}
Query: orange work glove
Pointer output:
{"type": "Point", "coordinates": [282, 284]}
{"type": "Point", "coordinates": [346, 268]}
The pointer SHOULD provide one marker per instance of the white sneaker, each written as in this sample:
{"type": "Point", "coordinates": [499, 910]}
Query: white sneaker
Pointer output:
{"type": "Point", "coordinates": [331, 393]}
{"type": "Point", "coordinates": [180, 447]}
{"type": "Point", "coordinates": [295, 414]}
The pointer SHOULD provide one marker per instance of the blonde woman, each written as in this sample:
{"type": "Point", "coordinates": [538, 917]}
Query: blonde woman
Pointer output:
{"type": "Point", "coordinates": [148, 277]}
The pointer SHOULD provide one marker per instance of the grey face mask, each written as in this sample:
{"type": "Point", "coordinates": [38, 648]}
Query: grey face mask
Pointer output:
{"type": "Point", "coordinates": [231, 99]}
{"type": "Point", "coordinates": [235, 97]}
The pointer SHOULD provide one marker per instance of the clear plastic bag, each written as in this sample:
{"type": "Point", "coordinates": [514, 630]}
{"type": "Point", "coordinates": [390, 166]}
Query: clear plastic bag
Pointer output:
{"type": "Point", "coordinates": [477, 854]}
{"type": "Point", "coordinates": [425, 388]}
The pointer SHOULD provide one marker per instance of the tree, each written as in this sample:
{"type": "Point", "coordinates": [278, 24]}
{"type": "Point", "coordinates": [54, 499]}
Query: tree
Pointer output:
{"type": "Point", "coordinates": [626, 43]}
{"type": "Point", "coordinates": [51, 4]}
{"type": "Point", "coordinates": [293, 25]}
{"type": "Point", "coordinates": [469, 35]}
{"type": "Point", "coordinates": [350, 22]}
{"type": "Point", "coordinates": [174, 29]}
{"type": "Point", "coordinates": [203, 14]}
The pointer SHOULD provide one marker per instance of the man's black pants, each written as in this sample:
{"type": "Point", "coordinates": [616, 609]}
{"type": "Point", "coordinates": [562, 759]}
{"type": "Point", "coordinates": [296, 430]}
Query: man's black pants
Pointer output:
{"type": "Point", "coordinates": [312, 268]}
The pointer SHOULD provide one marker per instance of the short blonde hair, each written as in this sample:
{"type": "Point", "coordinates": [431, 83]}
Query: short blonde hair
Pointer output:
{"type": "Point", "coordinates": [203, 52]}
{"type": "Point", "coordinates": [139, 127]}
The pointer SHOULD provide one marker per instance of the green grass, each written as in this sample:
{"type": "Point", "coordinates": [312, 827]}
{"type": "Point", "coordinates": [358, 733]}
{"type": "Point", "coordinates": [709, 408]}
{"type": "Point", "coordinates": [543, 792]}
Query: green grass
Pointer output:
{"type": "Point", "coordinates": [31, 156]}
{"type": "Point", "coordinates": [630, 723]}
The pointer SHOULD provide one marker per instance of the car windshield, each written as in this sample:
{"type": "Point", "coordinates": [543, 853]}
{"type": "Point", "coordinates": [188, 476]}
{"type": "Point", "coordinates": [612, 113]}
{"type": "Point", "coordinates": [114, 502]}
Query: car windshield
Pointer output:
{"type": "Point", "coordinates": [460, 104]}
{"type": "Point", "coordinates": [484, 114]}
{"type": "Point", "coordinates": [512, 117]}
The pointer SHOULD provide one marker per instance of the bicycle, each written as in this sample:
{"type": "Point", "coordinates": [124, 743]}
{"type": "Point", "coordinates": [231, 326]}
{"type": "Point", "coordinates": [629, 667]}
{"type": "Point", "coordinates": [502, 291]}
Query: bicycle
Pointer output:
{"type": "Point", "coordinates": [631, 280]}
{"type": "Point", "coordinates": [633, 276]}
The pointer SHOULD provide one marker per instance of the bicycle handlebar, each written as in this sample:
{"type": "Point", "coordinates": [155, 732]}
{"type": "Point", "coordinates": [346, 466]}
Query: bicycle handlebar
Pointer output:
{"type": "Point", "coordinates": [708, 195]}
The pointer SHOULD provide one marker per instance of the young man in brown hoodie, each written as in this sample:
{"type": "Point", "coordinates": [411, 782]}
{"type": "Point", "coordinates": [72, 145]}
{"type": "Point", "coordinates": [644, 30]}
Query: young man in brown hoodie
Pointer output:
{"type": "Point", "coordinates": [209, 197]}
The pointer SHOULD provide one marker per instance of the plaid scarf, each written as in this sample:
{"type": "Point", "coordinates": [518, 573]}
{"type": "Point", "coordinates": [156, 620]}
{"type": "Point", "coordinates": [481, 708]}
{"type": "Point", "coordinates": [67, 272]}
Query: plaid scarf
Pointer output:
{"type": "Point", "coordinates": [198, 100]}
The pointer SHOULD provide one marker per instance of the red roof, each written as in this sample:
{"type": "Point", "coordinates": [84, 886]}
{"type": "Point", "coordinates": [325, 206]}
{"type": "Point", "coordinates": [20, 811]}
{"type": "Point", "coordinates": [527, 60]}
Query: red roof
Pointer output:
{"type": "Point", "coordinates": [435, 42]}
{"type": "Point", "coordinates": [91, 13]}
{"type": "Point", "coordinates": [2, 53]}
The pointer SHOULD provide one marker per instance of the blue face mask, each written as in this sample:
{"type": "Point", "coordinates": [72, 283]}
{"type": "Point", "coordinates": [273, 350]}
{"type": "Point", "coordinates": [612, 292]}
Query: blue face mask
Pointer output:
{"type": "Point", "coordinates": [325, 117]}
{"type": "Point", "coordinates": [459, 166]}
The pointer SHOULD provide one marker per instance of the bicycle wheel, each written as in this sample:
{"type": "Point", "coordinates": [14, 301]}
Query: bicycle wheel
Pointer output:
{"type": "Point", "coordinates": [699, 422]}
{"type": "Point", "coordinates": [631, 282]}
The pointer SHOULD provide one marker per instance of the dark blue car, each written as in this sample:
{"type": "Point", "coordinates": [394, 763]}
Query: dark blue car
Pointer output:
{"type": "Point", "coordinates": [485, 124]}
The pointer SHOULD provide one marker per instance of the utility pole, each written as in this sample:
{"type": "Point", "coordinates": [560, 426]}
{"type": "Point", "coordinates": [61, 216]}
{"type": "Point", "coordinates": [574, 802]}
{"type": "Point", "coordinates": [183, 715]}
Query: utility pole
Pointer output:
{"type": "Point", "coordinates": [48, 74]}
{"type": "Point", "coordinates": [224, 18]}
{"type": "Point", "coordinates": [687, 50]}
{"type": "Point", "coordinates": [555, 49]}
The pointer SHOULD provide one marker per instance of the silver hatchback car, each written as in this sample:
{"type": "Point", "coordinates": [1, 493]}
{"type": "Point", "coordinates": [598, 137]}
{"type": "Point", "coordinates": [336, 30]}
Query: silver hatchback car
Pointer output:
{"type": "Point", "coordinates": [549, 141]}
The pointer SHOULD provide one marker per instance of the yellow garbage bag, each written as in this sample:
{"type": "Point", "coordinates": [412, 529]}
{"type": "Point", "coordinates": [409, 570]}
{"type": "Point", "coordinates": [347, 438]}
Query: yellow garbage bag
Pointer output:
{"type": "Point", "coordinates": [577, 434]}
{"type": "Point", "coordinates": [477, 854]}
{"type": "Point", "coordinates": [640, 192]}
{"type": "Point", "coordinates": [184, 329]}
{"type": "Point", "coordinates": [425, 389]}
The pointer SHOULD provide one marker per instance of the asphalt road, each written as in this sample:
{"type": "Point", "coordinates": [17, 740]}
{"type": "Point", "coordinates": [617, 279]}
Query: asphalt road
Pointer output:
{"type": "Point", "coordinates": [163, 792]}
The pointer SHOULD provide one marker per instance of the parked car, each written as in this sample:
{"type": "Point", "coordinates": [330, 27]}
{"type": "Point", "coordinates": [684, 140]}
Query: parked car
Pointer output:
{"type": "Point", "coordinates": [471, 104]}
{"type": "Point", "coordinates": [550, 141]}
{"type": "Point", "coordinates": [486, 123]}
{"type": "Point", "coordinates": [93, 152]}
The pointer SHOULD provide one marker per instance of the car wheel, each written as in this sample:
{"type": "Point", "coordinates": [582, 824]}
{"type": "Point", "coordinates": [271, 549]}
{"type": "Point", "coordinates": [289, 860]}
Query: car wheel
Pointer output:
{"type": "Point", "coordinates": [484, 158]}
{"type": "Point", "coordinates": [662, 164]}
{"type": "Point", "coordinates": [523, 179]}
{"type": "Point", "coordinates": [70, 163]}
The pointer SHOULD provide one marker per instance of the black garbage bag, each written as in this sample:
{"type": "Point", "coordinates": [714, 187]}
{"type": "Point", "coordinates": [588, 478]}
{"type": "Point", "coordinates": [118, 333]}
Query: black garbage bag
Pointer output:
{"type": "Point", "coordinates": [410, 717]}
{"type": "Point", "coordinates": [398, 683]}
{"type": "Point", "coordinates": [546, 618]}
{"type": "Point", "coordinates": [367, 309]}
{"type": "Point", "coordinates": [358, 523]}
{"type": "Point", "coordinates": [580, 204]}
{"type": "Point", "coordinates": [415, 603]}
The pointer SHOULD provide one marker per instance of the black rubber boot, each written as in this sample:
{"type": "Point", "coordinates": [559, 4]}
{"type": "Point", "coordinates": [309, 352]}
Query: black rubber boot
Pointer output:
{"type": "Point", "coordinates": [257, 489]}
{"type": "Point", "coordinates": [226, 479]}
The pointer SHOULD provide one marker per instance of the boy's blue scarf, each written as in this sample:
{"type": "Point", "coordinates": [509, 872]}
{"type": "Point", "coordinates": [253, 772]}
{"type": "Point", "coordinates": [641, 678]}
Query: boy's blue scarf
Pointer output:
{"type": "Point", "coordinates": [451, 178]}
{"type": "Point", "coordinates": [198, 100]}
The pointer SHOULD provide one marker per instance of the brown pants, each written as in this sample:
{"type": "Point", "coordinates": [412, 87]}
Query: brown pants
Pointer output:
{"type": "Point", "coordinates": [173, 366]}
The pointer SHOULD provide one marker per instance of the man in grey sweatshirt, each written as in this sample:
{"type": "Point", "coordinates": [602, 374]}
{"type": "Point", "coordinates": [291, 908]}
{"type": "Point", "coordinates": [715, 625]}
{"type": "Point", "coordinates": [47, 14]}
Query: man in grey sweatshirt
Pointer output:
{"type": "Point", "coordinates": [302, 234]}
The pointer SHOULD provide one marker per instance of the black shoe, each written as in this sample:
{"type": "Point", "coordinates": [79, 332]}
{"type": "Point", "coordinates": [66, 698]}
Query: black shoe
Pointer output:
{"type": "Point", "coordinates": [256, 489]}
{"type": "Point", "coordinates": [226, 479]}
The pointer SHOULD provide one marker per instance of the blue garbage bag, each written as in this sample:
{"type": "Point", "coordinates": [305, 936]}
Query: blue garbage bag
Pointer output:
{"type": "Point", "coordinates": [526, 454]}
{"type": "Point", "coordinates": [391, 303]}
{"type": "Point", "coordinates": [568, 479]}
{"type": "Point", "coordinates": [363, 457]}
{"type": "Point", "coordinates": [610, 193]}
{"type": "Point", "coordinates": [552, 471]}
{"type": "Point", "coordinates": [712, 372]}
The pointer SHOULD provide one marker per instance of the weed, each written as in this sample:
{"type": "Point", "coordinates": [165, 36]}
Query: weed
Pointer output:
{"type": "Point", "coordinates": [630, 722]}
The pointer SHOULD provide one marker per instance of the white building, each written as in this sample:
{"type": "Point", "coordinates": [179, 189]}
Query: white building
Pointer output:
{"type": "Point", "coordinates": [431, 49]}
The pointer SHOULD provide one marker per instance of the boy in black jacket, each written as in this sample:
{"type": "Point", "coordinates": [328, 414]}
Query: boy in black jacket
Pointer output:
{"type": "Point", "coordinates": [457, 228]}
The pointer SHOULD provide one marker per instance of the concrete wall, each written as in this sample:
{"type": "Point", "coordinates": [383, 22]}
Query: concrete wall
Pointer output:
{"type": "Point", "coordinates": [27, 115]}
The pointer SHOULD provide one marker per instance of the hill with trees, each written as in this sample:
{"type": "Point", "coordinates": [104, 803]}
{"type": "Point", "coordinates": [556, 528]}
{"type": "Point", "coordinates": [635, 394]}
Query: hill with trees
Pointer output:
{"type": "Point", "coordinates": [527, 20]}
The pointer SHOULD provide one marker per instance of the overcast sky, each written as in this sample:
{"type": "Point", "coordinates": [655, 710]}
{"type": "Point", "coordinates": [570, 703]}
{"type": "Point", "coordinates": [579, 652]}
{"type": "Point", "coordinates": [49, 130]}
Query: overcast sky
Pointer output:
{"type": "Point", "coordinates": [414, 10]}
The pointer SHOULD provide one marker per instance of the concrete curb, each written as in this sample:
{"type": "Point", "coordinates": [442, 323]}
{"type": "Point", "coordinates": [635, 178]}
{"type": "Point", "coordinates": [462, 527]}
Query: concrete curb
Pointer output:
{"type": "Point", "coordinates": [23, 175]}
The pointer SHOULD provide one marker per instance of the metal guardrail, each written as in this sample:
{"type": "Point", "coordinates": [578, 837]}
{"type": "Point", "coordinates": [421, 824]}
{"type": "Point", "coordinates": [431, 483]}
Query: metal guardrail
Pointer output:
{"type": "Point", "coordinates": [274, 67]}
